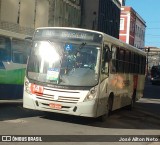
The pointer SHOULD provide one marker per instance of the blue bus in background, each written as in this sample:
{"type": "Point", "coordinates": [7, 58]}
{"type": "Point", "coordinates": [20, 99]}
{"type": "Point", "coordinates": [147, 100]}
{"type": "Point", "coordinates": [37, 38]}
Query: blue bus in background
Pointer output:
{"type": "Point", "coordinates": [14, 51]}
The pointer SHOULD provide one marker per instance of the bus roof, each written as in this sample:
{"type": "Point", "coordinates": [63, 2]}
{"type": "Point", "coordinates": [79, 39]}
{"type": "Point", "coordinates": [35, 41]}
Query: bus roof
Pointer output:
{"type": "Point", "coordinates": [106, 37]}
{"type": "Point", "coordinates": [120, 43]}
{"type": "Point", "coordinates": [71, 28]}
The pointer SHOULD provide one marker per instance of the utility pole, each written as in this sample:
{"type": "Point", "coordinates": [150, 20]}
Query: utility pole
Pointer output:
{"type": "Point", "coordinates": [147, 50]}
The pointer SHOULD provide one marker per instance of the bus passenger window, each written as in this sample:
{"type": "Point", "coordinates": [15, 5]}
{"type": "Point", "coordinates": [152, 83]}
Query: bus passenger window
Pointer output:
{"type": "Point", "coordinates": [5, 49]}
{"type": "Point", "coordinates": [19, 51]}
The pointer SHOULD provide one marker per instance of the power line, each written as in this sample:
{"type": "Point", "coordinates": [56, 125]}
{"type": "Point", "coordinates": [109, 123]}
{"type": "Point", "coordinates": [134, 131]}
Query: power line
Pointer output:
{"type": "Point", "coordinates": [152, 35]}
{"type": "Point", "coordinates": [153, 21]}
{"type": "Point", "coordinates": [153, 28]}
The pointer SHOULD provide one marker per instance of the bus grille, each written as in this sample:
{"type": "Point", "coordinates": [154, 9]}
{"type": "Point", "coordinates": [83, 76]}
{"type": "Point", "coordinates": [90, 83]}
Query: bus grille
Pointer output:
{"type": "Point", "coordinates": [69, 97]}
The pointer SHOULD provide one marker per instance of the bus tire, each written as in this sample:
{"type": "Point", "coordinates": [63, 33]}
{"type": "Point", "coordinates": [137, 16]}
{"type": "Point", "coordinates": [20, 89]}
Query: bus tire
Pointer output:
{"type": "Point", "coordinates": [133, 100]}
{"type": "Point", "coordinates": [109, 106]}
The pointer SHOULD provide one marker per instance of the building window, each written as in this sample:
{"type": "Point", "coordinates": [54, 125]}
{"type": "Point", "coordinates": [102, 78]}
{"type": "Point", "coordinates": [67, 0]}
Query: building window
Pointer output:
{"type": "Point", "coordinates": [122, 24]}
{"type": "Point", "coordinates": [132, 27]}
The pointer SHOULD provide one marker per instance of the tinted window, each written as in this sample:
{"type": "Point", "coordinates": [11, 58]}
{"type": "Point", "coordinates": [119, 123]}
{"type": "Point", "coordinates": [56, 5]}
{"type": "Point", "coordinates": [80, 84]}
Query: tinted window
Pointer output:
{"type": "Point", "coordinates": [20, 50]}
{"type": "Point", "coordinates": [5, 49]}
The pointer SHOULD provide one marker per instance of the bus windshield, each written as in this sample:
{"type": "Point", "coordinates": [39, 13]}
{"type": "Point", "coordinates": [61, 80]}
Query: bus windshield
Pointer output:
{"type": "Point", "coordinates": [73, 63]}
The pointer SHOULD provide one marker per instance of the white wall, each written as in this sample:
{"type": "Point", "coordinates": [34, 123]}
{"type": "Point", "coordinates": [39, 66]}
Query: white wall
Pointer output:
{"type": "Point", "coordinates": [27, 13]}
{"type": "Point", "coordinates": [42, 13]}
{"type": "Point", "coordinates": [9, 10]}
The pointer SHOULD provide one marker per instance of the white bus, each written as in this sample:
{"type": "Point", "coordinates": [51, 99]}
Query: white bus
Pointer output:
{"type": "Point", "coordinates": [14, 51]}
{"type": "Point", "coordinates": [82, 72]}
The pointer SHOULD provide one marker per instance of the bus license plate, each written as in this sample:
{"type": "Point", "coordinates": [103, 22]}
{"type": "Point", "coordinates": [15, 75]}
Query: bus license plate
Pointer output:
{"type": "Point", "coordinates": [55, 106]}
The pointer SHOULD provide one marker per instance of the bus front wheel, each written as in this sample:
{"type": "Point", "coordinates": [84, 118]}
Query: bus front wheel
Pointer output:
{"type": "Point", "coordinates": [108, 109]}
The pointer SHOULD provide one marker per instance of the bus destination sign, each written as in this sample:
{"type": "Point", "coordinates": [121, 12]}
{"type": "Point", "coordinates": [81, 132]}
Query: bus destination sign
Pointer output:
{"type": "Point", "coordinates": [67, 34]}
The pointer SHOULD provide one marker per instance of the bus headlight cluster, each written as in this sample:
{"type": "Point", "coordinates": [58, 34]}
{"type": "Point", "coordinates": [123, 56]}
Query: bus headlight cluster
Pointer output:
{"type": "Point", "coordinates": [27, 87]}
{"type": "Point", "coordinates": [91, 94]}
{"type": "Point", "coordinates": [33, 89]}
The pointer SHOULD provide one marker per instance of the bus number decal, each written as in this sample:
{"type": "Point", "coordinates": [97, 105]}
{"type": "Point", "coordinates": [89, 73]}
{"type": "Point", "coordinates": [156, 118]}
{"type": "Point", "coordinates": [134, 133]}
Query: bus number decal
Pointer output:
{"type": "Point", "coordinates": [36, 89]}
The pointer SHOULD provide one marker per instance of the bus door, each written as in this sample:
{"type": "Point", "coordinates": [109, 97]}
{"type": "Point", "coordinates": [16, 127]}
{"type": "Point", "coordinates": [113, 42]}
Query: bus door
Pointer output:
{"type": "Point", "coordinates": [104, 74]}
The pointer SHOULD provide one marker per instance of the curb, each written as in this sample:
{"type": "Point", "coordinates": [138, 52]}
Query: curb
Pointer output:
{"type": "Point", "coordinates": [11, 101]}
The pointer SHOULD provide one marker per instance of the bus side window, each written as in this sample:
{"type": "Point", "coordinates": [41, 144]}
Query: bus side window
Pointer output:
{"type": "Point", "coordinates": [5, 48]}
{"type": "Point", "coordinates": [19, 52]}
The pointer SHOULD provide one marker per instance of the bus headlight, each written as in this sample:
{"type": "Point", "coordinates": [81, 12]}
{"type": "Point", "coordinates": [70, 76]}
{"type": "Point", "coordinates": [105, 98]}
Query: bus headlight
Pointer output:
{"type": "Point", "coordinates": [33, 89]}
{"type": "Point", "coordinates": [27, 86]}
{"type": "Point", "coordinates": [91, 94]}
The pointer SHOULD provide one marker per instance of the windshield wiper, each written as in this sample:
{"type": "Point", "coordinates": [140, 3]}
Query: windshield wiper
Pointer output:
{"type": "Point", "coordinates": [82, 45]}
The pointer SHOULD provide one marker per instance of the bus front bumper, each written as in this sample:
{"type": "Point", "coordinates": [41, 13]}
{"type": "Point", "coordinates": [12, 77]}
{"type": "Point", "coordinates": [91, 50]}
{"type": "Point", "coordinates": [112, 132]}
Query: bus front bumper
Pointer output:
{"type": "Point", "coordinates": [86, 109]}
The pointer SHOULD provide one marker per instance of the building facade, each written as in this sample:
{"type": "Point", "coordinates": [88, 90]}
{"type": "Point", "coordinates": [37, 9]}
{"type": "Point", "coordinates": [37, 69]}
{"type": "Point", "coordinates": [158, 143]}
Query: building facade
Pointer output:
{"type": "Point", "coordinates": [23, 16]}
{"type": "Point", "coordinates": [153, 56]}
{"type": "Point", "coordinates": [101, 15]}
{"type": "Point", "coordinates": [132, 27]}
{"type": "Point", "coordinates": [65, 13]}
{"type": "Point", "coordinates": [140, 28]}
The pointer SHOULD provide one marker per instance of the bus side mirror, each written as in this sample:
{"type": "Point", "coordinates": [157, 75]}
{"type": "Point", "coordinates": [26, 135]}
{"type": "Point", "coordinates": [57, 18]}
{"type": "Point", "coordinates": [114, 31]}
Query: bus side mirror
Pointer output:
{"type": "Point", "coordinates": [108, 55]}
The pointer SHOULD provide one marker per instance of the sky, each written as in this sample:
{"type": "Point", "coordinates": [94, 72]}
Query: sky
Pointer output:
{"type": "Point", "coordinates": [149, 10]}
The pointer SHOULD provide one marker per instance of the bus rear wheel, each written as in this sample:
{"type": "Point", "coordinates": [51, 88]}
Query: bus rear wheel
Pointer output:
{"type": "Point", "coordinates": [133, 100]}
